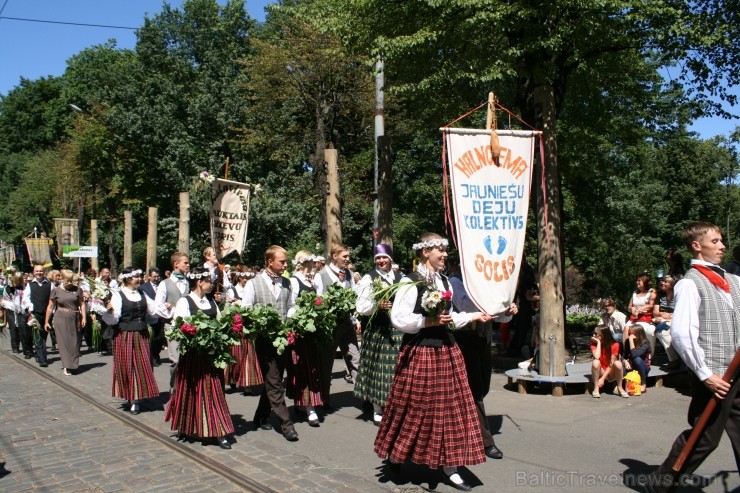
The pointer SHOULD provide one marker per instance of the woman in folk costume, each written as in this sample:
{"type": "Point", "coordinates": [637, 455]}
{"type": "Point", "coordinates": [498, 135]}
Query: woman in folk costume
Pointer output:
{"type": "Point", "coordinates": [133, 377]}
{"type": "Point", "coordinates": [245, 371]}
{"type": "Point", "coordinates": [304, 385]}
{"type": "Point", "coordinates": [380, 341]}
{"type": "Point", "coordinates": [430, 417]}
{"type": "Point", "coordinates": [198, 406]}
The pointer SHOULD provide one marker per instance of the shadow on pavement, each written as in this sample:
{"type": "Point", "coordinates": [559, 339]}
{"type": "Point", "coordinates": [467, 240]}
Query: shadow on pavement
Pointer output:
{"type": "Point", "coordinates": [89, 366]}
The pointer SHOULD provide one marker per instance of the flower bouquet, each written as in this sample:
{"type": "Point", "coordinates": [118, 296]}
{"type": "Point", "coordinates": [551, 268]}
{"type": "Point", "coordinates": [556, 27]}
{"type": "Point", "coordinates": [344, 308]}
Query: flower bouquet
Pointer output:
{"type": "Point", "coordinates": [100, 295]}
{"type": "Point", "coordinates": [200, 333]}
{"type": "Point", "coordinates": [435, 302]}
{"type": "Point", "coordinates": [339, 301]}
{"type": "Point", "coordinates": [95, 332]}
{"type": "Point", "coordinates": [264, 320]}
{"type": "Point", "coordinates": [312, 316]}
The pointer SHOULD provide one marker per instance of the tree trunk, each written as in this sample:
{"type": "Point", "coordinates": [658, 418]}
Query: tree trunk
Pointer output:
{"type": "Point", "coordinates": [552, 319]}
{"type": "Point", "coordinates": [183, 233]}
{"type": "Point", "coordinates": [385, 192]}
{"type": "Point", "coordinates": [332, 198]}
{"type": "Point", "coordinates": [151, 240]}
{"type": "Point", "coordinates": [128, 239]}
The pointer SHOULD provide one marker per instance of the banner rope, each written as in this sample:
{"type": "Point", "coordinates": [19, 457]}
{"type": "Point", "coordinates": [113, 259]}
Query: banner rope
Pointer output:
{"type": "Point", "coordinates": [449, 223]}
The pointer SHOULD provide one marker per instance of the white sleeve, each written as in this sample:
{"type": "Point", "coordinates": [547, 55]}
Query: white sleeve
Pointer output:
{"type": "Point", "coordinates": [112, 318]}
{"type": "Point", "coordinates": [294, 289]}
{"type": "Point", "coordinates": [318, 281]}
{"type": "Point", "coordinates": [27, 297]}
{"type": "Point", "coordinates": [248, 297]}
{"type": "Point", "coordinates": [402, 315]}
{"type": "Point", "coordinates": [181, 309]}
{"type": "Point", "coordinates": [364, 289]}
{"type": "Point", "coordinates": [685, 328]}
{"type": "Point", "coordinates": [160, 299]}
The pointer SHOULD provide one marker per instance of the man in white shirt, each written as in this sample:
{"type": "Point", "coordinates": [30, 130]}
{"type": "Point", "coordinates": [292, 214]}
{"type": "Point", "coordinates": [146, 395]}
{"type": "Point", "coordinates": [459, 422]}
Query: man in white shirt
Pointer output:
{"type": "Point", "coordinates": [345, 333]}
{"type": "Point", "coordinates": [706, 335]}
{"type": "Point", "coordinates": [169, 292]}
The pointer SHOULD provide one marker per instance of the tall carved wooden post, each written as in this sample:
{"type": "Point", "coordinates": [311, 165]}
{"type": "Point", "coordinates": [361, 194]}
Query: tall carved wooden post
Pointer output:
{"type": "Point", "coordinates": [333, 205]}
{"type": "Point", "coordinates": [128, 243]}
{"type": "Point", "coordinates": [183, 237]}
{"type": "Point", "coordinates": [94, 242]}
{"type": "Point", "coordinates": [151, 239]}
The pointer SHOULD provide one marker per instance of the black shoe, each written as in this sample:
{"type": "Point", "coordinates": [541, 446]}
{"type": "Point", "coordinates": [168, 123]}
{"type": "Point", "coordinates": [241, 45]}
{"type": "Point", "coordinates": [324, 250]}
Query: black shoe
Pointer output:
{"type": "Point", "coordinates": [263, 424]}
{"type": "Point", "coordinates": [27, 356]}
{"type": "Point", "coordinates": [393, 467]}
{"type": "Point", "coordinates": [15, 351]}
{"type": "Point", "coordinates": [458, 486]}
{"type": "Point", "coordinates": [291, 436]}
{"type": "Point", "coordinates": [44, 364]}
{"type": "Point", "coordinates": [494, 453]}
{"type": "Point", "coordinates": [224, 443]}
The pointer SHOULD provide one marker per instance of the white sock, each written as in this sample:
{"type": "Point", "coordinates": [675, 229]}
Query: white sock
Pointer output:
{"type": "Point", "coordinates": [451, 472]}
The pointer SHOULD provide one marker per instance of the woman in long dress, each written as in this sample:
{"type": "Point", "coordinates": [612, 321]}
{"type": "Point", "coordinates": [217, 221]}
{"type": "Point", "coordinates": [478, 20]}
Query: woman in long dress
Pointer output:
{"type": "Point", "coordinates": [430, 417]}
{"type": "Point", "coordinates": [304, 385]}
{"type": "Point", "coordinates": [67, 306]}
{"type": "Point", "coordinates": [244, 372]}
{"type": "Point", "coordinates": [133, 377]}
{"type": "Point", "coordinates": [198, 406]}
{"type": "Point", "coordinates": [381, 342]}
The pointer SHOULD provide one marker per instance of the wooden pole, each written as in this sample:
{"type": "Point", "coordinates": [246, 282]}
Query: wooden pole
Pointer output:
{"type": "Point", "coordinates": [701, 423]}
{"type": "Point", "coordinates": [128, 243]}
{"type": "Point", "coordinates": [151, 239]}
{"type": "Point", "coordinates": [385, 191]}
{"type": "Point", "coordinates": [491, 112]}
{"type": "Point", "coordinates": [183, 237]}
{"type": "Point", "coordinates": [94, 242]}
{"type": "Point", "coordinates": [333, 206]}
{"type": "Point", "coordinates": [226, 170]}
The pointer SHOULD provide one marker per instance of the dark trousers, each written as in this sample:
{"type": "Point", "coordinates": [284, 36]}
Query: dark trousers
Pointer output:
{"type": "Point", "coordinates": [345, 338]}
{"type": "Point", "coordinates": [85, 334]}
{"type": "Point", "coordinates": [476, 351]}
{"type": "Point", "coordinates": [726, 417]}
{"type": "Point", "coordinates": [20, 335]}
{"type": "Point", "coordinates": [273, 395]}
{"type": "Point", "coordinates": [157, 341]}
{"type": "Point", "coordinates": [39, 338]}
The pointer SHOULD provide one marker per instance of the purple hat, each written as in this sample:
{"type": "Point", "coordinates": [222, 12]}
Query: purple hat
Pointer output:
{"type": "Point", "coordinates": [383, 250]}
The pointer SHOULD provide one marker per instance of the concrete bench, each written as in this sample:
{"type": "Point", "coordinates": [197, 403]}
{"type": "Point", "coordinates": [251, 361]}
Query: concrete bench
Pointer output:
{"type": "Point", "coordinates": [578, 373]}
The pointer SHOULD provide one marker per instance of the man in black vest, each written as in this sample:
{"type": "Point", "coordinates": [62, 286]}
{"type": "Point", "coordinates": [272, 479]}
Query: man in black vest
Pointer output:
{"type": "Point", "coordinates": [156, 323]}
{"type": "Point", "coordinates": [38, 290]}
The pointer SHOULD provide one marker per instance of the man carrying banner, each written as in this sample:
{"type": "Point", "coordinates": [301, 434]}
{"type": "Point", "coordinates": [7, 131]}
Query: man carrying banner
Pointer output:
{"type": "Point", "coordinates": [706, 335]}
{"type": "Point", "coordinates": [474, 342]}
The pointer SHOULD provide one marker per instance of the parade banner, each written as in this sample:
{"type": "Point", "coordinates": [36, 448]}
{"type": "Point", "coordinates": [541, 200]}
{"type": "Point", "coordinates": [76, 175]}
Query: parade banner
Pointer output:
{"type": "Point", "coordinates": [229, 216]}
{"type": "Point", "coordinates": [39, 250]}
{"type": "Point", "coordinates": [490, 210]}
{"type": "Point", "coordinates": [7, 256]}
{"type": "Point", "coordinates": [67, 232]}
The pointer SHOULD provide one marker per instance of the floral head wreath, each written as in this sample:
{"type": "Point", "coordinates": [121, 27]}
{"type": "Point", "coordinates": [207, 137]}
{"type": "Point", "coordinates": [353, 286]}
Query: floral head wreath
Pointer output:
{"type": "Point", "coordinates": [133, 273]}
{"type": "Point", "coordinates": [437, 242]}
{"type": "Point", "coordinates": [310, 258]}
{"type": "Point", "coordinates": [190, 275]}
{"type": "Point", "coordinates": [248, 275]}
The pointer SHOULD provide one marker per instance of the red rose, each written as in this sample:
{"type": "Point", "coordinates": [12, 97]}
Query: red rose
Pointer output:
{"type": "Point", "coordinates": [188, 330]}
{"type": "Point", "coordinates": [291, 338]}
{"type": "Point", "coordinates": [238, 325]}
{"type": "Point", "coordinates": [319, 302]}
{"type": "Point", "coordinates": [447, 295]}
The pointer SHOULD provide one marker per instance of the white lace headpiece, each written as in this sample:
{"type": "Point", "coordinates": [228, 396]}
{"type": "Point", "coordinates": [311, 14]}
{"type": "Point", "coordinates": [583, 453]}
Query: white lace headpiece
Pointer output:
{"type": "Point", "coordinates": [190, 275]}
{"type": "Point", "coordinates": [133, 273]}
{"type": "Point", "coordinates": [437, 242]}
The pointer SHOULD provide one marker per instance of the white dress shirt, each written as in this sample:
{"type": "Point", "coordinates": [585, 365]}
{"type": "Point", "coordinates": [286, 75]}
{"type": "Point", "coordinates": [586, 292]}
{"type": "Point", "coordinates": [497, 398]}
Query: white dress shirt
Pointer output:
{"type": "Point", "coordinates": [182, 308]}
{"type": "Point", "coordinates": [365, 304]}
{"type": "Point", "coordinates": [334, 275]}
{"type": "Point", "coordinates": [403, 316]}
{"type": "Point", "coordinates": [112, 318]}
{"type": "Point", "coordinates": [685, 326]}
{"type": "Point", "coordinates": [161, 297]}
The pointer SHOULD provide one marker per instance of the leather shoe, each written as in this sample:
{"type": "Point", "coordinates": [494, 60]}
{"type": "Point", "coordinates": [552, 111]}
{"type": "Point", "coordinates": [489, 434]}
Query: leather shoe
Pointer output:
{"type": "Point", "coordinates": [494, 453]}
{"type": "Point", "coordinates": [224, 443]}
{"type": "Point", "coordinates": [263, 424]}
{"type": "Point", "coordinates": [458, 486]}
{"type": "Point", "coordinates": [44, 364]}
{"type": "Point", "coordinates": [291, 435]}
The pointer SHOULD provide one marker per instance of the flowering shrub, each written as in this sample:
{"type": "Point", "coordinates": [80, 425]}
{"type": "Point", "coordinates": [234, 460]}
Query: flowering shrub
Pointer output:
{"type": "Point", "coordinates": [582, 317]}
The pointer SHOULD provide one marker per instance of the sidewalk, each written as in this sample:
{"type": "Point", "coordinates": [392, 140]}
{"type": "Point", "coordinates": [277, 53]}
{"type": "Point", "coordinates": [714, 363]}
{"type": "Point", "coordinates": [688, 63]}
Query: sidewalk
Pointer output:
{"type": "Point", "coordinates": [53, 440]}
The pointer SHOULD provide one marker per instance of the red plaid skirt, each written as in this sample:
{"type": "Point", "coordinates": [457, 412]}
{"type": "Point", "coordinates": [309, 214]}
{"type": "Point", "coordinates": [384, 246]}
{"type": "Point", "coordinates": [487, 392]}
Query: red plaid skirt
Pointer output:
{"type": "Point", "coordinates": [430, 416]}
{"type": "Point", "coordinates": [133, 378]}
{"type": "Point", "coordinates": [245, 370]}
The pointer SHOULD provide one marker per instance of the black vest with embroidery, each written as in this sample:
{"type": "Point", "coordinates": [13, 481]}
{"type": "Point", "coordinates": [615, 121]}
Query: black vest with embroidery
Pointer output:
{"type": "Point", "coordinates": [435, 336]}
{"type": "Point", "coordinates": [133, 313]}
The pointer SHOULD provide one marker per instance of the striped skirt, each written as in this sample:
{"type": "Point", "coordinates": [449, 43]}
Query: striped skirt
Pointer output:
{"type": "Point", "coordinates": [380, 346]}
{"type": "Point", "coordinates": [304, 384]}
{"type": "Point", "coordinates": [133, 378]}
{"type": "Point", "coordinates": [198, 405]}
{"type": "Point", "coordinates": [430, 416]}
{"type": "Point", "coordinates": [245, 371]}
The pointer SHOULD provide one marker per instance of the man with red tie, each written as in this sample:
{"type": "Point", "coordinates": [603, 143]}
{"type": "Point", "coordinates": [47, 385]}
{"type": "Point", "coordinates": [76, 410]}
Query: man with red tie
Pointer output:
{"type": "Point", "coordinates": [706, 335]}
